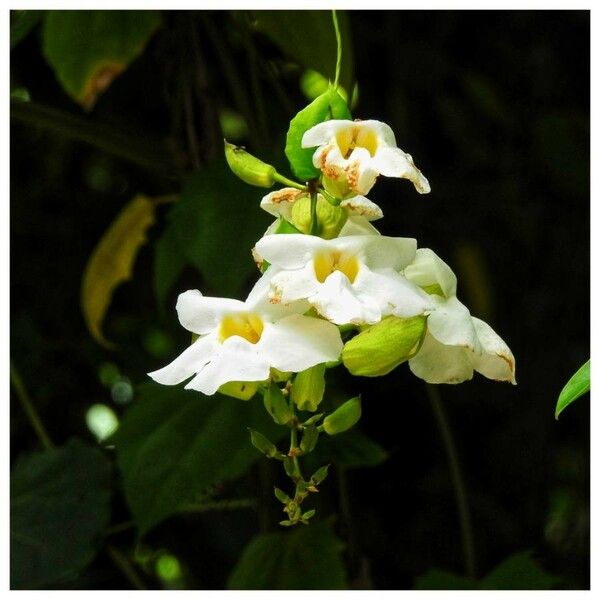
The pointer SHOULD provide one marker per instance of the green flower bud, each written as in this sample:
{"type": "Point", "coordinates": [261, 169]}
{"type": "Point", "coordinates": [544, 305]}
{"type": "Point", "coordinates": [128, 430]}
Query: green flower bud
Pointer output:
{"type": "Point", "coordinates": [308, 388]}
{"type": "Point", "coordinates": [330, 219]}
{"type": "Point", "coordinates": [343, 418]}
{"type": "Point", "coordinates": [338, 188]}
{"type": "Point", "coordinates": [382, 347]}
{"type": "Point", "coordinates": [276, 405]}
{"type": "Point", "coordinates": [249, 168]}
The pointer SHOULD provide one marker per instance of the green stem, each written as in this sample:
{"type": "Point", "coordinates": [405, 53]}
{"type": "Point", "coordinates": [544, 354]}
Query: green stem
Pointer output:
{"type": "Point", "coordinates": [125, 566]}
{"type": "Point", "coordinates": [314, 224]}
{"type": "Point", "coordinates": [466, 527]}
{"type": "Point", "coordinates": [338, 40]}
{"type": "Point", "coordinates": [30, 411]}
{"type": "Point", "coordinates": [233, 504]}
{"type": "Point", "coordinates": [289, 182]}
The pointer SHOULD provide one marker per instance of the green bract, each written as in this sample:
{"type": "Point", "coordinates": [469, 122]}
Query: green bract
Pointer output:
{"type": "Point", "coordinates": [330, 219]}
{"type": "Point", "coordinates": [308, 388]}
{"type": "Point", "coordinates": [382, 347]}
{"type": "Point", "coordinates": [343, 417]}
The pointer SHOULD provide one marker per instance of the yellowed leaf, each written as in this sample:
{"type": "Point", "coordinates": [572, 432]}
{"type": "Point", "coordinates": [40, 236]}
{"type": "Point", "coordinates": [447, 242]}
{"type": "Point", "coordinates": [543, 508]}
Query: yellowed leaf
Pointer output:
{"type": "Point", "coordinates": [111, 262]}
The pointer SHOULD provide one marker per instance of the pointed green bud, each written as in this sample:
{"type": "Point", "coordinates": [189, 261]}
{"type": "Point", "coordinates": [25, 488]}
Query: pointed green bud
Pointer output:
{"type": "Point", "coordinates": [309, 439]}
{"type": "Point", "coordinates": [277, 405]}
{"type": "Point", "coordinates": [330, 219]}
{"type": "Point", "coordinates": [308, 388]}
{"type": "Point", "coordinates": [382, 347]}
{"type": "Point", "coordinates": [319, 475]}
{"type": "Point", "coordinates": [242, 390]}
{"type": "Point", "coordinates": [249, 168]}
{"type": "Point", "coordinates": [282, 496]}
{"type": "Point", "coordinates": [343, 418]}
{"type": "Point", "coordinates": [260, 442]}
{"type": "Point", "coordinates": [313, 420]}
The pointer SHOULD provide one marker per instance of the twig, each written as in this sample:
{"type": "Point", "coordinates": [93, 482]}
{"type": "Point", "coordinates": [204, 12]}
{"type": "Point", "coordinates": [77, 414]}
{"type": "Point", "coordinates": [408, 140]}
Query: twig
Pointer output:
{"type": "Point", "coordinates": [124, 565]}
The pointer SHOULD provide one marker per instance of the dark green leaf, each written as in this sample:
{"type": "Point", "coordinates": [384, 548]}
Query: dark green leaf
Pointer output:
{"type": "Point", "coordinates": [352, 449]}
{"type": "Point", "coordinates": [436, 579]}
{"type": "Point", "coordinates": [173, 444]}
{"type": "Point", "coordinates": [326, 106]}
{"type": "Point", "coordinates": [519, 572]}
{"type": "Point", "coordinates": [22, 22]}
{"type": "Point", "coordinates": [578, 385]}
{"type": "Point", "coordinates": [89, 48]}
{"type": "Point", "coordinates": [59, 507]}
{"type": "Point", "coordinates": [214, 225]}
{"type": "Point", "coordinates": [169, 263]}
{"type": "Point", "coordinates": [308, 37]}
{"type": "Point", "coordinates": [304, 558]}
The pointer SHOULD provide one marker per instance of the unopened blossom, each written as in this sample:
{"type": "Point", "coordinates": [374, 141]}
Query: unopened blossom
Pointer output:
{"type": "Point", "coordinates": [351, 154]}
{"type": "Point", "coordinates": [242, 341]}
{"type": "Point", "coordinates": [456, 344]}
{"type": "Point", "coordinates": [352, 279]}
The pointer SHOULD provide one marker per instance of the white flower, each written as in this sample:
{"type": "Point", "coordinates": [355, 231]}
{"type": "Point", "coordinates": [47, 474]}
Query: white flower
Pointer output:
{"type": "Point", "coordinates": [456, 343]}
{"type": "Point", "coordinates": [241, 341]}
{"type": "Point", "coordinates": [356, 152]}
{"type": "Point", "coordinates": [352, 279]}
{"type": "Point", "coordinates": [360, 210]}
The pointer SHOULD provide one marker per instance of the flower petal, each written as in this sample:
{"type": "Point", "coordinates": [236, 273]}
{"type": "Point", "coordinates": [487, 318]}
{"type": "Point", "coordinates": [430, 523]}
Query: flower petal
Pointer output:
{"type": "Point", "coordinates": [394, 294]}
{"type": "Point", "coordinates": [297, 342]}
{"type": "Point", "coordinates": [496, 361]}
{"type": "Point", "coordinates": [338, 301]}
{"type": "Point", "coordinates": [361, 170]}
{"type": "Point", "coordinates": [437, 363]}
{"type": "Point", "coordinates": [429, 269]}
{"type": "Point", "coordinates": [384, 133]}
{"type": "Point", "coordinates": [289, 250]}
{"type": "Point", "coordinates": [378, 251]}
{"type": "Point", "coordinates": [280, 202]}
{"type": "Point", "coordinates": [293, 285]}
{"type": "Point", "coordinates": [323, 133]}
{"type": "Point", "coordinates": [361, 206]}
{"type": "Point", "coordinates": [450, 324]}
{"type": "Point", "coordinates": [358, 226]}
{"type": "Point", "coordinates": [235, 360]}
{"type": "Point", "coordinates": [393, 162]}
{"type": "Point", "coordinates": [189, 362]}
{"type": "Point", "coordinates": [202, 314]}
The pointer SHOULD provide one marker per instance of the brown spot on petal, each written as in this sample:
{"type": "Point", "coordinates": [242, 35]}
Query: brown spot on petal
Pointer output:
{"type": "Point", "coordinates": [286, 195]}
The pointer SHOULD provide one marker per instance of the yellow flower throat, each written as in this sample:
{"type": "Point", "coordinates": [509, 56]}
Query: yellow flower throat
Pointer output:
{"type": "Point", "coordinates": [246, 325]}
{"type": "Point", "coordinates": [356, 137]}
{"type": "Point", "coordinates": [325, 263]}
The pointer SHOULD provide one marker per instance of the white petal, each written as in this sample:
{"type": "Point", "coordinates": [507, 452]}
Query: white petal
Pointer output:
{"type": "Point", "coordinates": [297, 343]}
{"type": "Point", "coordinates": [429, 269]}
{"type": "Point", "coordinates": [358, 226]}
{"type": "Point", "coordinates": [323, 133]}
{"type": "Point", "coordinates": [236, 360]}
{"type": "Point", "coordinates": [201, 314]}
{"type": "Point", "coordinates": [338, 301]}
{"type": "Point", "coordinates": [280, 202]}
{"type": "Point", "coordinates": [189, 362]}
{"type": "Point", "coordinates": [384, 132]}
{"type": "Point", "coordinates": [360, 171]}
{"type": "Point", "coordinates": [437, 363]}
{"type": "Point", "coordinates": [293, 285]}
{"type": "Point", "coordinates": [361, 206]}
{"type": "Point", "coordinates": [496, 361]}
{"type": "Point", "coordinates": [393, 162]}
{"type": "Point", "coordinates": [289, 250]}
{"type": "Point", "coordinates": [450, 323]}
{"type": "Point", "coordinates": [378, 251]}
{"type": "Point", "coordinates": [394, 294]}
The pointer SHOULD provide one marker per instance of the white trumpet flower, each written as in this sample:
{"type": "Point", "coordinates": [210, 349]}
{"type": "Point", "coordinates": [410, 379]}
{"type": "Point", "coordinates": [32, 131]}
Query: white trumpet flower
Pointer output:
{"type": "Point", "coordinates": [456, 344]}
{"type": "Point", "coordinates": [352, 279]}
{"type": "Point", "coordinates": [242, 341]}
{"type": "Point", "coordinates": [353, 153]}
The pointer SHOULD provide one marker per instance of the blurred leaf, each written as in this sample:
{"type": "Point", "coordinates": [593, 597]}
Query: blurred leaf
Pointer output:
{"type": "Point", "coordinates": [22, 23]}
{"type": "Point", "coordinates": [214, 225]}
{"type": "Point", "coordinates": [173, 444]}
{"type": "Point", "coordinates": [59, 507]}
{"type": "Point", "coordinates": [20, 94]}
{"type": "Point", "coordinates": [111, 262]}
{"type": "Point", "coordinates": [353, 449]}
{"type": "Point", "coordinates": [169, 263]}
{"type": "Point", "coordinates": [436, 579]}
{"type": "Point", "coordinates": [89, 48]}
{"type": "Point", "coordinates": [484, 95]}
{"type": "Point", "coordinates": [578, 385]}
{"type": "Point", "coordinates": [519, 572]}
{"type": "Point", "coordinates": [305, 558]}
{"type": "Point", "coordinates": [308, 37]}
{"type": "Point", "coordinates": [233, 125]}
{"type": "Point", "coordinates": [328, 105]}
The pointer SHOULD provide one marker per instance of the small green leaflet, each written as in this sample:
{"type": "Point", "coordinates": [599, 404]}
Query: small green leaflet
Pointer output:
{"type": "Point", "coordinates": [578, 385]}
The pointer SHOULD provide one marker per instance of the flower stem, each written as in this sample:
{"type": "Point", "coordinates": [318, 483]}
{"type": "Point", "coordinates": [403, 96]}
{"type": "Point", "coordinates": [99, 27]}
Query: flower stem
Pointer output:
{"type": "Point", "coordinates": [281, 179]}
{"type": "Point", "coordinates": [466, 526]}
{"type": "Point", "coordinates": [314, 224]}
{"type": "Point", "coordinates": [338, 39]}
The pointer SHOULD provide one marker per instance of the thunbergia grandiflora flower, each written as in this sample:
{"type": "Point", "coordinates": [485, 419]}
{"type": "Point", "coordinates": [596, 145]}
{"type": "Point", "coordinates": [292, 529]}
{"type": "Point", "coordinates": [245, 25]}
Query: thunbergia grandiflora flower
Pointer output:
{"type": "Point", "coordinates": [456, 344]}
{"type": "Point", "coordinates": [242, 341]}
{"type": "Point", "coordinates": [354, 153]}
{"type": "Point", "coordinates": [352, 279]}
{"type": "Point", "coordinates": [328, 272]}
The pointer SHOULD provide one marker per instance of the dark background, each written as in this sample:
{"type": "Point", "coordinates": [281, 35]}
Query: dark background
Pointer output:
{"type": "Point", "coordinates": [494, 107]}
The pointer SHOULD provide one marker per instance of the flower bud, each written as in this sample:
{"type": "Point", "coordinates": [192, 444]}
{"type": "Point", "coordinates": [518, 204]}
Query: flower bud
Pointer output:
{"type": "Point", "coordinates": [308, 388]}
{"type": "Point", "coordinates": [343, 418]}
{"type": "Point", "coordinates": [330, 219]}
{"type": "Point", "coordinates": [249, 168]}
{"type": "Point", "coordinates": [382, 347]}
